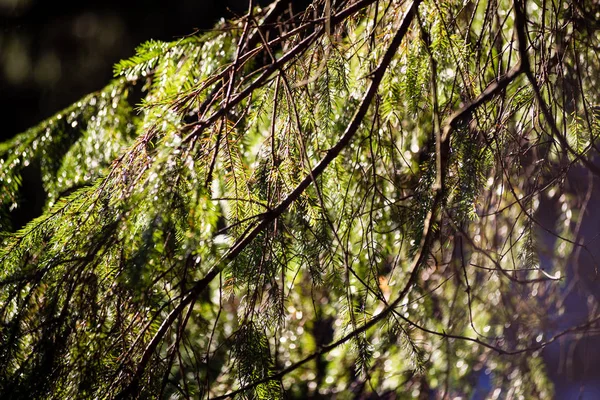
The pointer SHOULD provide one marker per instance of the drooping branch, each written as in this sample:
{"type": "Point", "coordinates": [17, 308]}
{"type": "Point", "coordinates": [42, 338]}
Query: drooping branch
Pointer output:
{"type": "Point", "coordinates": [520, 26]}
{"type": "Point", "coordinates": [270, 216]}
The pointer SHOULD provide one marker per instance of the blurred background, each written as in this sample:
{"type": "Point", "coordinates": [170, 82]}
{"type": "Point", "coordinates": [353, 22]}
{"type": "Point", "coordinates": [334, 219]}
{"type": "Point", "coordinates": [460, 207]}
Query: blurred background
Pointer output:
{"type": "Point", "coordinates": [54, 52]}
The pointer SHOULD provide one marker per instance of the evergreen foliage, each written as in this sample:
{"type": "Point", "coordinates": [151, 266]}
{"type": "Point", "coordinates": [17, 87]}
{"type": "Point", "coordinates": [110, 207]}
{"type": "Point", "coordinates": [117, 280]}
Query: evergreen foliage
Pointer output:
{"type": "Point", "coordinates": [339, 201]}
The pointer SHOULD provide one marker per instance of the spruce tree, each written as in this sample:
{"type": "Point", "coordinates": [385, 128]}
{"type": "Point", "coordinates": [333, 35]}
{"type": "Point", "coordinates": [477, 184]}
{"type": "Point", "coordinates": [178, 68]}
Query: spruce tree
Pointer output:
{"type": "Point", "coordinates": [340, 201]}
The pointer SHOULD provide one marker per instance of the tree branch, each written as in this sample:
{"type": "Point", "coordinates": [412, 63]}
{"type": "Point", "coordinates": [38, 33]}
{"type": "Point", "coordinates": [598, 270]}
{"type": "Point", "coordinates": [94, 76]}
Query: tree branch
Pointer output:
{"type": "Point", "coordinates": [270, 216]}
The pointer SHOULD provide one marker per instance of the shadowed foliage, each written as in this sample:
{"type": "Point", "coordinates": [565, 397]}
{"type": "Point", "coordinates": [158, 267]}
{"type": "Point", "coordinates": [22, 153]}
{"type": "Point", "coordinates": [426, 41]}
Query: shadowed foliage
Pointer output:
{"type": "Point", "coordinates": [339, 201]}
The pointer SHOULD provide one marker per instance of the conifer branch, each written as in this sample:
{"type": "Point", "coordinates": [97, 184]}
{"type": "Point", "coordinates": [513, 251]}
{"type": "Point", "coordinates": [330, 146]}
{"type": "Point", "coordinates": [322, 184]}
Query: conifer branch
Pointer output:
{"type": "Point", "coordinates": [270, 216]}
{"type": "Point", "coordinates": [352, 176]}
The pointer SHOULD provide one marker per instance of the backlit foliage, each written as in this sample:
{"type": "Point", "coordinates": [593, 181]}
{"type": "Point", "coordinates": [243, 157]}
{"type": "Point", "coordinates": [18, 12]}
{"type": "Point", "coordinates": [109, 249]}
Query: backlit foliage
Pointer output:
{"type": "Point", "coordinates": [339, 201]}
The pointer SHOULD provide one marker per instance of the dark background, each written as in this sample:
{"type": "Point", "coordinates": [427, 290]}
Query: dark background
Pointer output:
{"type": "Point", "coordinates": [53, 52]}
